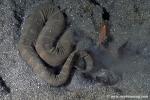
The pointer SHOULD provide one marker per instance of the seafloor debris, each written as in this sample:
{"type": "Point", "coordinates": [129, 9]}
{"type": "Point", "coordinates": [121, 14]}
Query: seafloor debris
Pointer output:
{"type": "Point", "coordinates": [108, 77]}
{"type": "Point", "coordinates": [104, 34]}
{"type": "Point", "coordinates": [122, 49]}
{"type": "Point", "coordinates": [4, 89]}
{"type": "Point", "coordinates": [104, 76]}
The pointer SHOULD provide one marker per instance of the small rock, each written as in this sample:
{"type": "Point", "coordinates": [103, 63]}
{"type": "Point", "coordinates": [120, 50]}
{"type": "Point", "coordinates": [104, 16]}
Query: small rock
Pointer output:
{"type": "Point", "coordinates": [4, 89]}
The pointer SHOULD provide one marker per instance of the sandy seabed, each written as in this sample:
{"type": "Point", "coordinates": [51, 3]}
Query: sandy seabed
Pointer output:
{"type": "Point", "coordinates": [129, 21]}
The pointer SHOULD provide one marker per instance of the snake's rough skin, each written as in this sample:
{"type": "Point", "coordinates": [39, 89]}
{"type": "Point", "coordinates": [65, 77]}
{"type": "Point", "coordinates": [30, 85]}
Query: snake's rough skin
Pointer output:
{"type": "Point", "coordinates": [39, 33]}
{"type": "Point", "coordinates": [54, 55]}
{"type": "Point", "coordinates": [43, 15]}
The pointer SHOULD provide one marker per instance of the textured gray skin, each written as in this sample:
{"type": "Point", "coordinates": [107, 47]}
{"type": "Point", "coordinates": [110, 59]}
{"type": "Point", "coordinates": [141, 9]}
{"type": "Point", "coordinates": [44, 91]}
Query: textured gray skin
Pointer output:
{"type": "Point", "coordinates": [54, 55]}
{"type": "Point", "coordinates": [31, 29]}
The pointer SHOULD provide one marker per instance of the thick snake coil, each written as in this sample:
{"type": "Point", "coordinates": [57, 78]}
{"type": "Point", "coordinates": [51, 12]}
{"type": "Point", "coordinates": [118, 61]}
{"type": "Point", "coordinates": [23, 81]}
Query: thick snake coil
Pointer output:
{"type": "Point", "coordinates": [40, 32]}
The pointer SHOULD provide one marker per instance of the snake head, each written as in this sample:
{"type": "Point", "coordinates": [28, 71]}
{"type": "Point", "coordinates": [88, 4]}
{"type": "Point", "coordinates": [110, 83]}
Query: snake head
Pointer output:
{"type": "Point", "coordinates": [84, 62]}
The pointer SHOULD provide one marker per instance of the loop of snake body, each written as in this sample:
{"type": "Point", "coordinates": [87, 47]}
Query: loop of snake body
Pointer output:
{"type": "Point", "coordinates": [39, 33]}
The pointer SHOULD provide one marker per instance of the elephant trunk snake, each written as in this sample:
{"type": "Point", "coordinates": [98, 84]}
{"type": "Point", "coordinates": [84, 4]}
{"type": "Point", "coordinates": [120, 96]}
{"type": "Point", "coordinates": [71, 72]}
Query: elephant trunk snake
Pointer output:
{"type": "Point", "coordinates": [42, 40]}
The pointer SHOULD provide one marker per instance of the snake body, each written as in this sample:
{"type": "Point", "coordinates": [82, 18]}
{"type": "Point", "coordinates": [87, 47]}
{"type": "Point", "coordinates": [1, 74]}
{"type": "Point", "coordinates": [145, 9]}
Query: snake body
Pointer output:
{"type": "Point", "coordinates": [35, 24]}
{"type": "Point", "coordinates": [54, 55]}
{"type": "Point", "coordinates": [39, 34]}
